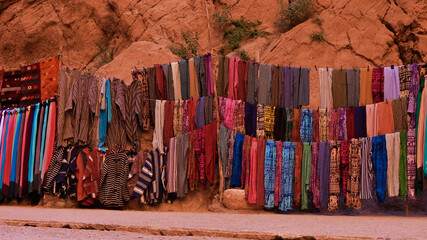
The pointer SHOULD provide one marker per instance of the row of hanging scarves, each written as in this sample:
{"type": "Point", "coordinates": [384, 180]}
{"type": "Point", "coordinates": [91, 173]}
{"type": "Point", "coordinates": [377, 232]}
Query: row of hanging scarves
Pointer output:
{"type": "Point", "coordinates": [214, 83]}
{"type": "Point", "coordinates": [281, 173]}
{"type": "Point", "coordinates": [27, 144]}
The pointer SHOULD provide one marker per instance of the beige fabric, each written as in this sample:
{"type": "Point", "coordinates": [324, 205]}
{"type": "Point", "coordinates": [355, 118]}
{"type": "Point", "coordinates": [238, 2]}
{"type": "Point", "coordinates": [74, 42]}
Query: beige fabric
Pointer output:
{"type": "Point", "coordinates": [325, 80]}
{"type": "Point", "coordinates": [176, 80]}
{"type": "Point", "coordinates": [393, 158]}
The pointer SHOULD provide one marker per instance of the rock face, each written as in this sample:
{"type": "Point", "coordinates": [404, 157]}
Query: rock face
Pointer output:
{"type": "Point", "coordinates": [234, 199]}
{"type": "Point", "coordinates": [141, 53]}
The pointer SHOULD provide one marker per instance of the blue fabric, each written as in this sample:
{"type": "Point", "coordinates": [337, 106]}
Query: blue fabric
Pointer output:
{"type": "Point", "coordinates": [15, 153]}
{"type": "Point", "coordinates": [306, 125]}
{"type": "Point", "coordinates": [269, 173]}
{"type": "Point", "coordinates": [33, 144]}
{"type": "Point", "coordinates": [237, 161]}
{"type": "Point", "coordinates": [3, 149]}
{"type": "Point", "coordinates": [104, 117]}
{"type": "Point", "coordinates": [288, 159]}
{"type": "Point", "coordinates": [45, 120]}
{"type": "Point", "coordinates": [379, 160]}
{"type": "Point", "coordinates": [108, 99]}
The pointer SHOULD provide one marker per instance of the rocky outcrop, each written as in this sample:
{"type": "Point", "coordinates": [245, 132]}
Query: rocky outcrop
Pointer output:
{"type": "Point", "coordinates": [138, 54]}
{"type": "Point", "coordinates": [357, 34]}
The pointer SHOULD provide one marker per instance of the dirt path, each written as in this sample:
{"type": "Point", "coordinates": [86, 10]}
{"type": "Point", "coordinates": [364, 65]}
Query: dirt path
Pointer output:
{"type": "Point", "coordinates": [265, 226]}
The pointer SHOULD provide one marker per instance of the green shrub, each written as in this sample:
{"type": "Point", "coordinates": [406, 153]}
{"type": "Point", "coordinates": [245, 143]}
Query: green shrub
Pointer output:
{"type": "Point", "coordinates": [296, 12]}
{"type": "Point", "coordinates": [191, 41]}
{"type": "Point", "coordinates": [317, 21]}
{"type": "Point", "coordinates": [180, 51]}
{"type": "Point", "coordinates": [318, 36]}
{"type": "Point", "coordinates": [190, 48]}
{"type": "Point", "coordinates": [244, 56]}
{"type": "Point", "coordinates": [222, 19]}
{"type": "Point", "coordinates": [105, 55]}
{"type": "Point", "coordinates": [241, 30]}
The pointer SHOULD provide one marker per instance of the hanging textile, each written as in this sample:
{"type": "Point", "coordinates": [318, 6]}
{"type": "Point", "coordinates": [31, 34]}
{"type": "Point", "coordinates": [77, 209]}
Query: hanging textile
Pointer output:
{"type": "Point", "coordinates": [393, 158]}
{"type": "Point", "coordinates": [142, 77]}
{"type": "Point", "coordinates": [11, 89]}
{"type": "Point", "coordinates": [285, 203]}
{"type": "Point", "coordinates": [403, 166]}
{"type": "Point", "coordinates": [344, 165]}
{"type": "Point", "coordinates": [315, 127]}
{"type": "Point", "coordinates": [237, 161]}
{"type": "Point", "coordinates": [269, 168]}
{"type": "Point", "coordinates": [30, 84]}
{"type": "Point", "coordinates": [287, 92]}
{"type": "Point", "coordinates": [264, 90]}
{"type": "Point", "coordinates": [365, 97]}
{"type": "Point", "coordinates": [334, 176]}
{"type": "Point", "coordinates": [360, 122]}
{"type": "Point", "coordinates": [323, 126]}
{"type": "Point", "coordinates": [260, 189]}
{"type": "Point", "coordinates": [246, 154]}
{"type": "Point", "coordinates": [296, 126]}
{"type": "Point", "coordinates": [289, 124]}
{"type": "Point", "coordinates": [400, 108]}
{"type": "Point", "coordinates": [314, 187]}
{"type": "Point", "coordinates": [353, 185]}
{"type": "Point", "coordinates": [306, 125]}
{"type": "Point", "coordinates": [367, 176]}
{"type": "Point", "coordinates": [378, 84]}
{"type": "Point", "coordinates": [184, 78]}
{"type": "Point", "coordinates": [342, 132]}
{"type": "Point", "coordinates": [334, 124]}
{"type": "Point", "coordinates": [253, 174]}
{"type": "Point", "coordinates": [222, 76]}
{"type": "Point", "coordinates": [252, 83]}
{"type": "Point", "coordinates": [323, 170]}
{"type": "Point", "coordinates": [49, 75]}
{"type": "Point", "coordinates": [297, 178]}
{"type": "Point", "coordinates": [269, 122]}
{"type": "Point", "coordinates": [339, 88]}
{"type": "Point", "coordinates": [379, 159]}
{"type": "Point", "coordinates": [391, 83]}
{"type": "Point", "coordinates": [350, 123]}
{"type": "Point", "coordinates": [325, 80]}
{"type": "Point", "coordinates": [404, 80]}
{"type": "Point", "coordinates": [353, 76]}
{"type": "Point", "coordinates": [167, 74]}
{"type": "Point", "coordinates": [278, 173]}
{"type": "Point", "coordinates": [305, 177]}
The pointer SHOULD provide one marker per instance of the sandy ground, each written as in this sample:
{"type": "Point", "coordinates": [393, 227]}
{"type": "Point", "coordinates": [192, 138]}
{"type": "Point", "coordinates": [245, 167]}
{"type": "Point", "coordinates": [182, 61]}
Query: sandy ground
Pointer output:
{"type": "Point", "coordinates": [281, 224]}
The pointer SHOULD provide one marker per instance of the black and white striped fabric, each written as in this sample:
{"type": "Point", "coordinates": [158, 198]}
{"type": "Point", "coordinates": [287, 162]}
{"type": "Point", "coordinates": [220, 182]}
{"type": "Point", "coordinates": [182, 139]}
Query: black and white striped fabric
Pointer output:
{"type": "Point", "coordinates": [113, 191]}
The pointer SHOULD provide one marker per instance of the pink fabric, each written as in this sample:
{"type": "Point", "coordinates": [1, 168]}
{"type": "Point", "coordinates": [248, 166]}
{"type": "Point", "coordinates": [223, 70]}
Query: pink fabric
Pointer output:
{"type": "Point", "coordinates": [24, 140]}
{"type": "Point", "coordinates": [50, 138]}
{"type": "Point", "coordinates": [236, 77]}
{"type": "Point", "coordinates": [229, 113]}
{"type": "Point", "coordinates": [253, 173]}
{"type": "Point", "coordinates": [231, 78]}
